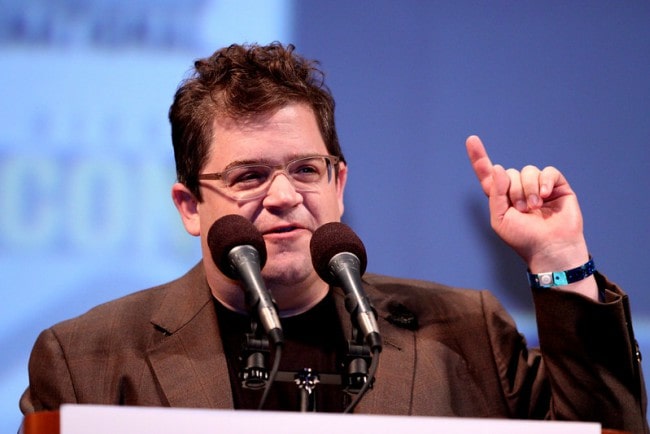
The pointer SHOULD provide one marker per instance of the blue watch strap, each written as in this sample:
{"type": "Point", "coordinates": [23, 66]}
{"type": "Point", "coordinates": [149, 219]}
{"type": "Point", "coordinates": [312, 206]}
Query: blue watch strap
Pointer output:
{"type": "Point", "coordinates": [559, 278]}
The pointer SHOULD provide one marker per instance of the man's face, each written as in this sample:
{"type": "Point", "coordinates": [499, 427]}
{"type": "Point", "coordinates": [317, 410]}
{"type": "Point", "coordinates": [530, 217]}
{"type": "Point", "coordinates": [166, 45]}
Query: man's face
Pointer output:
{"type": "Point", "coordinates": [286, 217]}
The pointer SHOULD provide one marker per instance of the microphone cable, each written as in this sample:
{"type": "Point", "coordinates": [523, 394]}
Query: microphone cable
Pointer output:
{"type": "Point", "coordinates": [272, 374]}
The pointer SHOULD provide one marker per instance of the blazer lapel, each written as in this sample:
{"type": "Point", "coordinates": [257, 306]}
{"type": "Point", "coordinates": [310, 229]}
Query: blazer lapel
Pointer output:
{"type": "Point", "coordinates": [394, 379]}
{"type": "Point", "coordinates": [188, 358]}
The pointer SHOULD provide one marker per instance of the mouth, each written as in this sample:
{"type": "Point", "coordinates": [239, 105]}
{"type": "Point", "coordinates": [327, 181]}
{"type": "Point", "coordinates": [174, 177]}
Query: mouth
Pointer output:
{"type": "Point", "coordinates": [282, 230]}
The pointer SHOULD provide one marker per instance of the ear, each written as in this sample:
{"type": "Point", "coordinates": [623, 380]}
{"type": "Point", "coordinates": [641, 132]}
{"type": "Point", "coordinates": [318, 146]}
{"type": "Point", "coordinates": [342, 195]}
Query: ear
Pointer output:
{"type": "Point", "coordinates": [340, 185]}
{"type": "Point", "coordinates": [187, 207]}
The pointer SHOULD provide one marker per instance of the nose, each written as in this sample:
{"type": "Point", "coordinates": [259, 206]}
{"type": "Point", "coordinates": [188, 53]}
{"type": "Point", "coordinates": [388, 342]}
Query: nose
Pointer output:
{"type": "Point", "coordinates": [281, 193]}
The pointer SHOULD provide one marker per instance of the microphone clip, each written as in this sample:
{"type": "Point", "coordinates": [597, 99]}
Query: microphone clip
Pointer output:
{"type": "Point", "coordinates": [254, 358]}
{"type": "Point", "coordinates": [357, 360]}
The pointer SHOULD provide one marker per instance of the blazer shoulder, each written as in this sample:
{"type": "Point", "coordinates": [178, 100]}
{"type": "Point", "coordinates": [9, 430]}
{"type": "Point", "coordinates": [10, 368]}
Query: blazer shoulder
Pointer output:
{"type": "Point", "coordinates": [399, 287]}
{"type": "Point", "coordinates": [138, 309]}
{"type": "Point", "coordinates": [428, 301]}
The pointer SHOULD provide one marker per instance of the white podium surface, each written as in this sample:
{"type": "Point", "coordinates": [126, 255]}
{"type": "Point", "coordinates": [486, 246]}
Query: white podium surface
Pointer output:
{"type": "Point", "coordinates": [84, 419]}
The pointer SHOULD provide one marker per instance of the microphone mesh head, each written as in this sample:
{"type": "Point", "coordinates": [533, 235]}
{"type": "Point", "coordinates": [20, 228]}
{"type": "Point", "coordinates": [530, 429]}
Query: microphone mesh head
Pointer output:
{"type": "Point", "coordinates": [331, 239]}
{"type": "Point", "coordinates": [229, 232]}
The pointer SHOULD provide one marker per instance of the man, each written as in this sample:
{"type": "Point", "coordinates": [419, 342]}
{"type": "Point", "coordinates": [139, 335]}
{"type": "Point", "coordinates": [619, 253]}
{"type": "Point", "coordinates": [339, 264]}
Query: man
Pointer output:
{"type": "Point", "coordinates": [254, 135]}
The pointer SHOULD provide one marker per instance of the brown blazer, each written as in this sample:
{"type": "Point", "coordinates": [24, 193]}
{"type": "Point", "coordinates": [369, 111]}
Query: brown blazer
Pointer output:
{"type": "Point", "coordinates": [447, 352]}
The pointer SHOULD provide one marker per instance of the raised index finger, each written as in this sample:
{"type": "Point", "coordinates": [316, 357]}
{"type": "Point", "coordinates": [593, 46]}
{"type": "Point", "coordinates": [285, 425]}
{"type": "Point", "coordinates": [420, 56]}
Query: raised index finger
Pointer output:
{"type": "Point", "coordinates": [480, 162]}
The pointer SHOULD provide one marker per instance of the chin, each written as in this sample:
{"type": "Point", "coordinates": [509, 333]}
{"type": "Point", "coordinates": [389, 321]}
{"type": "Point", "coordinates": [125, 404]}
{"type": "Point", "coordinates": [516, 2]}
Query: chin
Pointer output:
{"type": "Point", "coordinates": [287, 269]}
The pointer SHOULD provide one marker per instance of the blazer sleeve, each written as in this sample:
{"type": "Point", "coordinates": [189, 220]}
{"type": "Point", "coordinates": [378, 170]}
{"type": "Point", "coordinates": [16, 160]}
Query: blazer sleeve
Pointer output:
{"type": "Point", "coordinates": [49, 377]}
{"type": "Point", "coordinates": [591, 358]}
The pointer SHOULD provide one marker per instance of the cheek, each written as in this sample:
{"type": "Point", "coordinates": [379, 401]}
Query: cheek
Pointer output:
{"type": "Point", "coordinates": [211, 212]}
{"type": "Point", "coordinates": [326, 208]}
{"type": "Point", "coordinates": [215, 211]}
{"type": "Point", "coordinates": [341, 205]}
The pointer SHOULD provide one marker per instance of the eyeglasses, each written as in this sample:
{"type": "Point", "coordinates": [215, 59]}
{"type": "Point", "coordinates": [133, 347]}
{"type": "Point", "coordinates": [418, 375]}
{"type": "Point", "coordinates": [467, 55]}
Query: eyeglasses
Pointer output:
{"type": "Point", "coordinates": [252, 181]}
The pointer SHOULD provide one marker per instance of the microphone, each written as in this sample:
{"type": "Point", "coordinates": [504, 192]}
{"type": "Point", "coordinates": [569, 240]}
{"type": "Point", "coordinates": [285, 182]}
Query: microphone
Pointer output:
{"type": "Point", "coordinates": [339, 258]}
{"type": "Point", "coordinates": [239, 251]}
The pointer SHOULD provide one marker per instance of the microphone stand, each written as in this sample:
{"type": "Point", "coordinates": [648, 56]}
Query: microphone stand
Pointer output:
{"type": "Point", "coordinates": [255, 357]}
{"type": "Point", "coordinates": [357, 360]}
{"type": "Point", "coordinates": [360, 364]}
{"type": "Point", "coordinates": [307, 380]}
{"type": "Point", "coordinates": [355, 378]}
{"type": "Point", "coordinates": [255, 373]}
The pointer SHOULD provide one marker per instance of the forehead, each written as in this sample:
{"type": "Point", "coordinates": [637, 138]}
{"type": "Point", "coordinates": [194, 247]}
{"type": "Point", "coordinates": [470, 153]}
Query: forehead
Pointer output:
{"type": "Point", "coordinates": [285, 133]}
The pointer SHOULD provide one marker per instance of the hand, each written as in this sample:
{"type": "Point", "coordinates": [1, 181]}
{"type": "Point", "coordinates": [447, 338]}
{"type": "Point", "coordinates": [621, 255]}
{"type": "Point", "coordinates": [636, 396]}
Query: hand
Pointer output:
{"type": "Point", "coordinates": [534, 211]}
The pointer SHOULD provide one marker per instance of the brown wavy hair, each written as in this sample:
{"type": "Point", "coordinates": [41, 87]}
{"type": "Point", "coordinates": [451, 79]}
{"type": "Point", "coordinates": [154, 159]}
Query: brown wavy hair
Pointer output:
{"type": "Point", "coordinates": [241, 82]}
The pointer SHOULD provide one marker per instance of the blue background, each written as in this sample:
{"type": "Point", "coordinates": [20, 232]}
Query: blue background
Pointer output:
{"type": "Point", "coordinates": [86, 162]}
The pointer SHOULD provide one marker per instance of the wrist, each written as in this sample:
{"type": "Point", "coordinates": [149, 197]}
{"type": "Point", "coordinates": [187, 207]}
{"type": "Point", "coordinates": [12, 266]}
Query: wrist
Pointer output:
{"type": "Point", "coordinates": [550, 279]}
{"type": "Point", "coordinates": [558, 257]}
